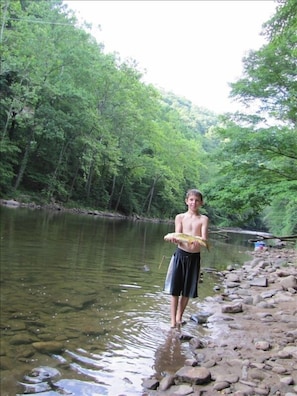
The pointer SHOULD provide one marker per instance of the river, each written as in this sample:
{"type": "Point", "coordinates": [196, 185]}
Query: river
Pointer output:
{"type": "Point", "coordinates": [95, 286]}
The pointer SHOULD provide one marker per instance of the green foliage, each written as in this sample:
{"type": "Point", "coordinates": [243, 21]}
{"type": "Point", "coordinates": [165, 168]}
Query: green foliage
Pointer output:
{"type": "Point", "coordinates": [8, 154]}
{"type": "Point", "coordinates": [269, 83]}
{"type": "Point", "coordinates": [79, 125]}
{"type": "Point", "coordinates": [281, 215]}
{"type": "Point", "coordinates": [257, 150]}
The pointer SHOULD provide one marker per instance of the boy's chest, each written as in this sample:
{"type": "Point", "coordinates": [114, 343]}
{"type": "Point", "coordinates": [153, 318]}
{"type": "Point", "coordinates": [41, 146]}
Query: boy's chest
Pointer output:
{"type": "Point", "coordinates": [191, 225]}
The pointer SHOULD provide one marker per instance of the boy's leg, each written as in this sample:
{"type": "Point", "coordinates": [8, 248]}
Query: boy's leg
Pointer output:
{"type": "Point", "coordinates": [173, 310]}
{"type": "Point", "coordinates": [183, 302]}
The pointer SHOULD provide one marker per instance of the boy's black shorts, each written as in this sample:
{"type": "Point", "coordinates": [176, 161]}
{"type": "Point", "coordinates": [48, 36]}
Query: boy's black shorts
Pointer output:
{"type": "Point", "coordinates": [186, 270]}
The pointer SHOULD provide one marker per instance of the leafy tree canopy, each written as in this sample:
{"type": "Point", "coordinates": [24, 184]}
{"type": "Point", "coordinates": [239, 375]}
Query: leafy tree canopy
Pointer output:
{"type": "Point", "coordinates": [257, 151]}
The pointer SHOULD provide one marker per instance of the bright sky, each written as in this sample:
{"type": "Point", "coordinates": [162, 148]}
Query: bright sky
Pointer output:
{"type": "Point", "coordinates": [191, 48]}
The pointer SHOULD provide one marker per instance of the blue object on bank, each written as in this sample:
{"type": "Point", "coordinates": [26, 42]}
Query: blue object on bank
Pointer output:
{"type": "Point", "coordinates": [259, 245]}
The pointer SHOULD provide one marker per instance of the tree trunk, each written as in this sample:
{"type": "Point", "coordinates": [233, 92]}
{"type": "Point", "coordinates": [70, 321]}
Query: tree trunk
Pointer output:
{"type": "Point", "coordinates": [119, 198]}
{"type": "Point", "coordinates": [56, 171]}
{"type": "Point", "coordinates": [73, 182]}
{"type": "Point", "coordinates": [151, 194]}
{"type": "Point", "coordinates": [24, 161]}
{"type": "Point", "coordinates": [112, 191]}
{"type": "Point", "coordinates": [90, 179]}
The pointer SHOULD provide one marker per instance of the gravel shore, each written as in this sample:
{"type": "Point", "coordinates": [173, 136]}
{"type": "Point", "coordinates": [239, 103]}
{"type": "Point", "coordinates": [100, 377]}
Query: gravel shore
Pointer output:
{"type": "Point", "coordinates": [250, 347]}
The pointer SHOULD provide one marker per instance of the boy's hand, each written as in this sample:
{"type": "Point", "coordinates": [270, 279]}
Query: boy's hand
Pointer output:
{"type": "Point", "coordinates": [172, 240]}
{"type": "Point", "coordinates": [194, 244]}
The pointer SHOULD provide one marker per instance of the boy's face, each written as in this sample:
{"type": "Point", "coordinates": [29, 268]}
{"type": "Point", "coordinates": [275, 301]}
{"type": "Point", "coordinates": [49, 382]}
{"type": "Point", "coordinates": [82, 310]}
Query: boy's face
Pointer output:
{"type": "Point", "coordinates": [193, 201]}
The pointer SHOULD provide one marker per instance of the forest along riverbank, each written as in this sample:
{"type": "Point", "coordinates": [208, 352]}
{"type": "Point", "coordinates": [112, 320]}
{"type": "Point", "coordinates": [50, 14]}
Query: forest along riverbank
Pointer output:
{"type": "Point", "coordinates": [250, 347]}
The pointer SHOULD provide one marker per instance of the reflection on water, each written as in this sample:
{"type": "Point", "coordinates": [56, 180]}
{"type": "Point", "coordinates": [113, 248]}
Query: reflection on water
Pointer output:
{"type": "Point", "coordinates": [82, 307]}
{"type": "Point", "coordinates": [169, 356]}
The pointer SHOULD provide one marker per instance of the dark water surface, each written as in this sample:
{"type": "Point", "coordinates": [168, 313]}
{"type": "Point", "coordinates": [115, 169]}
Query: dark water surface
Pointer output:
{"type": "Point", "coordinates": [93, 285]}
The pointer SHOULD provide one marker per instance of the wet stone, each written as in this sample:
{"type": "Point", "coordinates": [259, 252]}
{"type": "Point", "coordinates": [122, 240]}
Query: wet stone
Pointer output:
{"type": "Point", "coordinates": [196, 343]}
{"type": "Point", "coordinates": [150, 383]}
{"type": "Point", "coordinates": [200, 357]}
{"type": "Point", "coordinates": [181, 390]}
{"type": "Point", "coordinates": [236, 326]}
{"type": "Point", "coordinates": [3, 348]}
{"type": "Point", "coordinates": [283, 298]}
{"type": "Point", "coordinates": [265, 305]}
{"type": "Point", "coordinates": [20, 339]}
{"type": "Point", "coordinates": [284, 354]}
{"type": "Point", "coordinates": [200, 317]}
{"type": "Point", "coordinates": [257, 298]}
{"type": "Point", "coordinates": [289, 282]}
{"type": "Point", "coordinates": [17, 325]}
{"type": "Point", "coordinates": [75, 302]}
{"type": "Point", "coordinates": [260, 282]}
{"type": "Point", "coordinates": [166, 382]}
{"type": "Point", "coordinates": [287, 380]}
{"type": "Point", "coordinates": [49, 347]}
{"type": "Point", "coordinates": [233, 277]}
{"type": "Point", "coordinates": [191, 362]}
{"type": "Point", "coordinates": [210, 363]}
{"type": "Point", "coordinates": [236, 308]}
{"type": "Point", "coordinates": [269, 293]}
{"type": "Point", "coordinates": [94, 331]}
{"type": "Point", "coordinates": [256, 374]}
{"type": "Point", "coordinates": [231, 285]}
{"type": "Point", "coordinates": [38, 388]}
{"type": "Point", "coordinates": [194, 375]}
{"type": "Point", "coordinates": [40, 374]}
{"type": "Point", "coordinates": [248, 300]}
{"type": "Point", "coordinates": [292, 334]}
{"type": "Point", "coordinates": [6, 363]}
{"type": "Point", "coordinates": [262, 345]}
{"type": "Point", "coordinates": [25, 352]}
{"type": "Point", "coordinates": [230, 378]}
{"type": "Point", "coordinates": [262, 391]}
{"type": "Point", "coordinates": [279, 370]}
{"type": "Point", "coordinates": [292, 350]}
{"type": "Point", "coordinates": [218, 386]}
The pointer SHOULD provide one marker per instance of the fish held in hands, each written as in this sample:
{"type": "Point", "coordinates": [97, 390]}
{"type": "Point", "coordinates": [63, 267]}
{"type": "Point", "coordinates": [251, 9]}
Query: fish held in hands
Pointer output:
{"type": "Point", "coordinates": [185, 238]}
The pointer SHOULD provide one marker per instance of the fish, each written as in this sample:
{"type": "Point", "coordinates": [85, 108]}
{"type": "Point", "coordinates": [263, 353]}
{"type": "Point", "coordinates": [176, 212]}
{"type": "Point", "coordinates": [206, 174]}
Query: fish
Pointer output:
{"type": "Point", "coordinates": [185, 238]}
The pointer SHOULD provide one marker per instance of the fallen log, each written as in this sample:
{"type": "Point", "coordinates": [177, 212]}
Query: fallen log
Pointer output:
{"type": "Point", "coordinates": [287, 238]}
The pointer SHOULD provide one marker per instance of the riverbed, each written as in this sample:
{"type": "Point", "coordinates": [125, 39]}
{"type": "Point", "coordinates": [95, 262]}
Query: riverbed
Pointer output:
{"type": "Point", "coordinates": [82, 301]}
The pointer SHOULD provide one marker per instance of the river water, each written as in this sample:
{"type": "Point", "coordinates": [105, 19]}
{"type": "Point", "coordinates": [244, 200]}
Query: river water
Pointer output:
{"type": "Point", "coordinates": [95, 286]}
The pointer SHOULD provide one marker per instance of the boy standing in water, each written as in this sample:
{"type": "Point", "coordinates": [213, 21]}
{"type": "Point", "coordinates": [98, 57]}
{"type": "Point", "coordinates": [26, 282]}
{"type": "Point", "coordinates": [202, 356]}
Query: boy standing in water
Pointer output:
{"type": "Point", "coordinates": [186, 264]}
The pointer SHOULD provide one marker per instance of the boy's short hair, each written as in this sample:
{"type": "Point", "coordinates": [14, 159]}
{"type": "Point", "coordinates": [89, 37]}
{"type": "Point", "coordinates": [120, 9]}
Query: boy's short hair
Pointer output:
{"type": "Point", "coordinates": [194, 191]}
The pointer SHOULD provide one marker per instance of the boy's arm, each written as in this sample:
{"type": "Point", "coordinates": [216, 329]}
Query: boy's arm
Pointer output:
{"type": "Point", "coordinates": [178, 223]}
{"type": "Point", "coordinates": [204, 228]}
{"type": "Point", "coordinates": [178, 228]}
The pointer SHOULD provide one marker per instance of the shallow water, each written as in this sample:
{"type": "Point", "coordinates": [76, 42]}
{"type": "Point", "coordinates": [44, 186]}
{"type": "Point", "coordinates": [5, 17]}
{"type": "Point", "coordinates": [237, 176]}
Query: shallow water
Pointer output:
{"type": "Point", "coordinates": [95, 285]}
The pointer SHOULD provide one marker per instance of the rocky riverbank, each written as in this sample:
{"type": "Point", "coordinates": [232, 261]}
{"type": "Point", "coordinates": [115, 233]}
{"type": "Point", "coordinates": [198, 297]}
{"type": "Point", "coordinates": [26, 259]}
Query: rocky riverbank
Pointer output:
{"type": "Point", "coordinates": [250, 347]}
{"type": "Point", "coordinates": [55, 207]}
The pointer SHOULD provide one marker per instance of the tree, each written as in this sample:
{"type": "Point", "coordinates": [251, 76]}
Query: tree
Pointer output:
{"type": "Point", "coordinates": [259, 148]}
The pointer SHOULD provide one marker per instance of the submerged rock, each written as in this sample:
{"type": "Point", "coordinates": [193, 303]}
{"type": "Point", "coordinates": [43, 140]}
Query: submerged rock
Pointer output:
{"type": "Point", "coordinates": [48, 346]}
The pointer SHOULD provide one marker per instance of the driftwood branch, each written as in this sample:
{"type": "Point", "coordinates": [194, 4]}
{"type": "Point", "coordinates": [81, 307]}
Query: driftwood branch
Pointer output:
{"type": "Point", "coordinates": [259, 236]}
{"type": "Point", "coordinates": [287, 238]}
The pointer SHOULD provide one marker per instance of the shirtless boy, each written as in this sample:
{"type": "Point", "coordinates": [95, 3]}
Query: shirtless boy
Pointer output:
{"type": "Point", "coordinates": [186, 265]}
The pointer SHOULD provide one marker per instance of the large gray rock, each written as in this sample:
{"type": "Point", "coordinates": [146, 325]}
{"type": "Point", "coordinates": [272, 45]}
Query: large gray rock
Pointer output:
{"type": "Point", "coordinates": [289, 282]}
{"type": "Point", "coordinates": [194, 375]}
